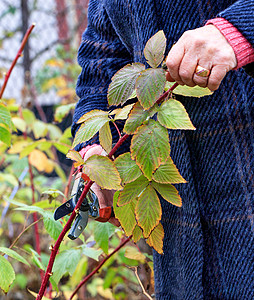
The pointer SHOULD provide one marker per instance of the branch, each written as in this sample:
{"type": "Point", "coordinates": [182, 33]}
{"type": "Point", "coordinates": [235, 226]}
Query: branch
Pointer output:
{"type": "Point", "coordinates": [24, 41]}
{"type": "Point", "coordinates": [67, 226]}
{"type": "Point", "coordinates": [99, 266]}
{"type": "Point", "coordinates": [23, 231]}
{"type": "Point", "coordinates": [140, 283]}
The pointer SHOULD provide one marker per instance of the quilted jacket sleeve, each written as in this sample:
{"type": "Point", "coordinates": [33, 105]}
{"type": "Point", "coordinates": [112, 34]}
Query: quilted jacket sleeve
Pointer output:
{"type": "Point", "coordinates": [101, 55]}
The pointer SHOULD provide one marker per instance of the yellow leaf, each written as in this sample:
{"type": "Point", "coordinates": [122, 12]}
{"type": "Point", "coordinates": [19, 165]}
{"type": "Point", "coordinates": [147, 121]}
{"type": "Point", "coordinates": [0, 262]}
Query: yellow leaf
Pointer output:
{"type": "Point", "coordinates": [67, 295]}
{"type": "Point", "coordinates": [49, 166]}
{"type": "Point", "coordinates": [55, 63]}
{"type": "Point", "coordinates": [39, 160]}
{"type": "Point", "coordinates": [155, 239]}
{"type": "Point", "coordinates": [18, 147]}
{"type": "Point", "coordinates": [133, 253]}
{"type": "Point", "coordinates": [35, 295]}
{"type": "Point", "coordinates": [57, 82]}
{"type": "Point", "coordinates": [137, 234]}
{"type": "Point", "coordinates": [107, 294]}
{"type": "Point", "coordinates": [74, 155]}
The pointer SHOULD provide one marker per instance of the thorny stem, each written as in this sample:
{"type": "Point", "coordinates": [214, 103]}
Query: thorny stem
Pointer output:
{"type": "Point", "coordinates": [163, 96]}
{"type": "Point", "coordinates": [23, 43]}
{"type": "Point", "coordinates": [59, 240]}
{"type": "Point", "coordinates": [99, 266]}
{"type": "Point", "coordinates": [73, 215]}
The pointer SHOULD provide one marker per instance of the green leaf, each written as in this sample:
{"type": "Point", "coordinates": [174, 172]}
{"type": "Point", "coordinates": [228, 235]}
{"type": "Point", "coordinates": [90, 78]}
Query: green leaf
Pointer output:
{"type": "Point", "coordinates": [96, 113]}
{"type": "Point", "coordinates": [136, 117]}
{"type": "Point", "coordinates": [173, 115]}
{"type": "Point", "coordinates": [102, 234]}
{"type": "Point", "coordinates": [155, 239]}
{"type": "Point", "coordinates": [133, 95]}
{"type": "Point", "coordinates": [102, 170]}
{"type": "Point", "coordinates": [168, 173]}
{"type": "Point", "coordinates": [123, 83]}
{"type": "Point", "coordinates": [134, 253]}
{"type": "Point", "coordinates": [127, 168]}
{"type": "Point", "coordinates": [125, 214]}
{"type": "Point", "coordinates": [108, 279]}
{"type": "Point", "coordinates": [188, 91]}
{"type": "Point", "coordinates": [80, 272]}
{"type": "Point", "coordinates": [88, 129]}
{"type": "Point", "coordinates": [28, 116]}
{"type": "Point", "coordinates": [37, 259]}
{"type": "Point", "coordinates": [168, 192]}
{"type": "Point", "coordinates": [5, 136]}
{"type": "Point", "coordinates": [122, 113]}
{"type": "Point", "coordinates": [5, 116]}
{"type": "Point", "coordinates": [31, 209]}
{"type": "Point", "coordinates": [9, 178]}
{"type": "Point", "coordinates": [40, 129]}
{"type": "Point", "coordinates": [149, 86]}
{"type": "Point", "coordinates": [31, 146]}
{"type": "Point", "coordinates": [62, 111]}
{"type": "Point", "coordinates": [137, 234]}
{"type": "Point", "coordinates": [61, 147]}
{"type": "Point", "coordinates": [52, 194]}
{"type": "Point", "coordinates": [132, 190]}
{"type": "Point", "coordinates": [54, 132]}
{"type": "Point", "coordinates": [52, 226]}
{"type": "Point", "coordinates": [65, 263]}
{"type": "Point", "coordinates": [148, 210]}
{"type": "Point", "coordinates": [150, 147]}
{"type": "Point", "coordinates": [105, 137]}
{"type": "Point", "coordinates": [92, 253]}
{"type": "Point", "coordinates": [14, 255]}
{"type": "Point", "coordinates": [7, 274]}
{"type": "Point", "coordinates": [155, 49]}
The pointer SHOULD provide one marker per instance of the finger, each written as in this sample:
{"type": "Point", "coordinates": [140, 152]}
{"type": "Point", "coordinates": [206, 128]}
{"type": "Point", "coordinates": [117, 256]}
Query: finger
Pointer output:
{"type": "Point", "coordinates": [95, 150]}
{"type": "Point", "coordinates": [199, 80]}
{"type": "Point", "coordinates": [105, 197]}
{"type": "Point", "coordinates": [168, 77]}
{"type": "Point", "coordinates": [173, 61]}
{"type": "Point", "coordinates": [187, 69]}
{"type": "Point", "coordinates": [217, 74]}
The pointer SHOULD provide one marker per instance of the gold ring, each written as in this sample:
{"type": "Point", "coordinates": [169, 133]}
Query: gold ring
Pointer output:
{"type": "Point", "coordinates": [202, 72]}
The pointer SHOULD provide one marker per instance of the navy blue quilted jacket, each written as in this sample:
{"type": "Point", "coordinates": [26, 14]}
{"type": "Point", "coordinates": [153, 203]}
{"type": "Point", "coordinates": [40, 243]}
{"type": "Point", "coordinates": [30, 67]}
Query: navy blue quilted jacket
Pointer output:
{"type": "Point", "coordinates": [209, 241]}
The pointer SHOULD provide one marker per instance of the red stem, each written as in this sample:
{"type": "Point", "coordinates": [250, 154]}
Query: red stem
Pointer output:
{"type": "Point", "coordinates": [163, 96]}
{"type": "Point", "coordinates": [99, 266]}
{"type": "Point", "coordinates": [117, 129]}
{"type": "Point", "coordinates": [73, 215]}
{"type": "Point", "coordinates": [59, 240]}
{"type": "Point", "coordinates": [23, 43]}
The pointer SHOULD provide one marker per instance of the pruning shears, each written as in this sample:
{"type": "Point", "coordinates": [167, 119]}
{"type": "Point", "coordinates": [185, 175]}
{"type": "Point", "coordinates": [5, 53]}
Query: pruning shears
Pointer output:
{"type": "Point", "coordinates": [89, 208]}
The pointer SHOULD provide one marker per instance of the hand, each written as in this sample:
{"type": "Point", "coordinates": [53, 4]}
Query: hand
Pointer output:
{"type": "Point", "coordinates": [105, 197]}
{"type": "Point", "coordinates": [206, 47]}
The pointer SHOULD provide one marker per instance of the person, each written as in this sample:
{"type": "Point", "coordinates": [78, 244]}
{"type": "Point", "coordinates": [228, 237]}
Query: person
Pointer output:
{"type": "Point", "coordinates": [209, 241]}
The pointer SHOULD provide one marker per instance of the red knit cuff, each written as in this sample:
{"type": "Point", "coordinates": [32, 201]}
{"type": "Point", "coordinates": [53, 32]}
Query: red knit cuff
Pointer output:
{"type": "Point", "coordinates": [243, 49]}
